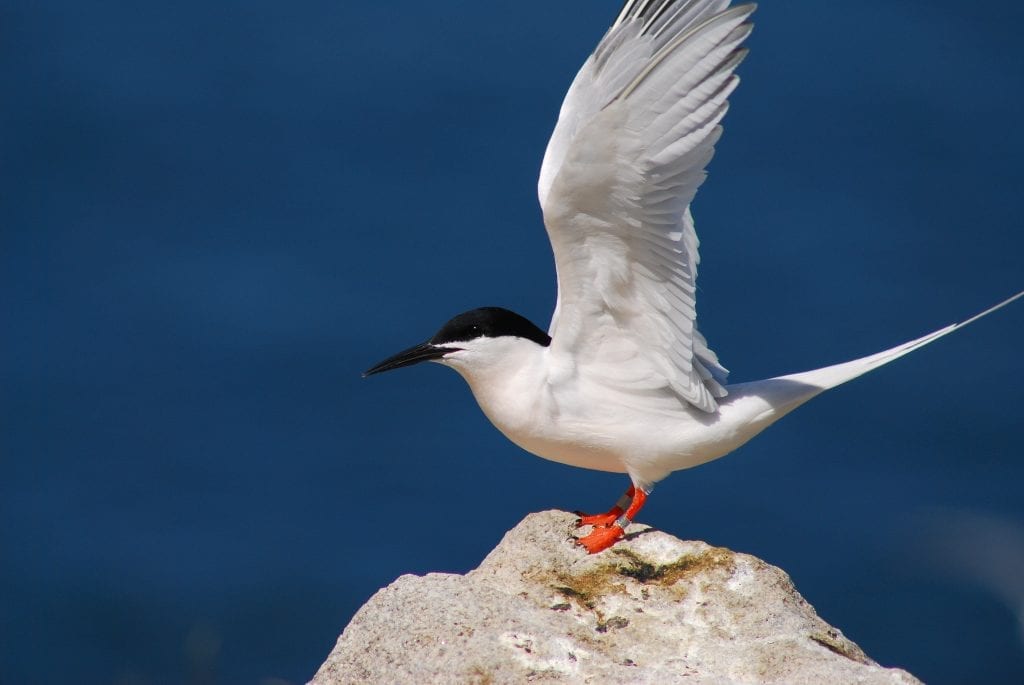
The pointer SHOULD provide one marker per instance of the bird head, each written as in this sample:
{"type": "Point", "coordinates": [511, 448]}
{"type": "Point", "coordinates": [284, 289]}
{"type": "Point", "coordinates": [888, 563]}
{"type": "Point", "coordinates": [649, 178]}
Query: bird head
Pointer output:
{"type": "Point", "coordinates": [472, 341]}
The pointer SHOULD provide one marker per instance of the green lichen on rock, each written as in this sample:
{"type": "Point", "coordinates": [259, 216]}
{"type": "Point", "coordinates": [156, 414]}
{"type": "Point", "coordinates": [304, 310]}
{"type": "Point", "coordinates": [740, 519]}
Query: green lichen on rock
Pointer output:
{"type": "Point", "coordinates": [715, 558]}
{"type": "Point", "coordinates": [586, 588]}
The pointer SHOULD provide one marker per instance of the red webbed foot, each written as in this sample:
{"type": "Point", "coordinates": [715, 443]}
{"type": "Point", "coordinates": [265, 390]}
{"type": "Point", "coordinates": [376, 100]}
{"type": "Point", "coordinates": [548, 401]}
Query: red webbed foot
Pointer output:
{"type": "Point", "coordinates": [601, 539]}
{"type": "Point", "coordinates": [608, 527]}
{"type": "Point", "coordinates": [602, 520]}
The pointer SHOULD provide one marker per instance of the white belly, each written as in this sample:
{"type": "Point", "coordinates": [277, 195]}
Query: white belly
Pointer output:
{"type": "Point", "coordinates": [572, 418]}
{"type": "Point", "coordinates": [645, 436]}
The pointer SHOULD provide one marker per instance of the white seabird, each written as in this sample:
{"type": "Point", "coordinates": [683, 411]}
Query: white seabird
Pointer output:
{"type": "Point", "coordinates": [623, 381]}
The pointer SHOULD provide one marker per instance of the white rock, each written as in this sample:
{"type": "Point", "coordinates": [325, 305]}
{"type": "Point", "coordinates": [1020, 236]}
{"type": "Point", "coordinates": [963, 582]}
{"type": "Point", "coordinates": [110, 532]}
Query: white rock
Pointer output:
{"type": "Point", "coordinates": [652, 609]}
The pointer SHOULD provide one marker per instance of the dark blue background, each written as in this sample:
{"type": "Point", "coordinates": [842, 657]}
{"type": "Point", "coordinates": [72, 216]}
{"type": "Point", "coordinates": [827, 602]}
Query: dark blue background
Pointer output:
{"type": "Point", "coordinates": [214, 216]}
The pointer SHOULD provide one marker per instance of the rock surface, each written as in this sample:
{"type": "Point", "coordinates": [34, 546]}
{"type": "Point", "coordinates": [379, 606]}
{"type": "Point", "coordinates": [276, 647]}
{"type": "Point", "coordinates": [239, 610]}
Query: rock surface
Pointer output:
{"type": "Point", "coordinates": [652, 609]}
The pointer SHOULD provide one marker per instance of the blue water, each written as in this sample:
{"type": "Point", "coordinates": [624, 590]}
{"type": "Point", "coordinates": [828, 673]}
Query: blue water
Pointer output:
{"type": "Point", "coordinates": [214, 216]}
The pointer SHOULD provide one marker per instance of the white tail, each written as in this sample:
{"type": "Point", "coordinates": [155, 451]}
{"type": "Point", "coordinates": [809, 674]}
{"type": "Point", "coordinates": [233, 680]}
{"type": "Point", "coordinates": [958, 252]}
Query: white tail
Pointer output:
{"type": "Point", "coordinates": [831, 376]}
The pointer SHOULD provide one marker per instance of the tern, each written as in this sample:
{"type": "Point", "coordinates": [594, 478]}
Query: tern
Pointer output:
{"type": "Point", "coordinates": [623, 381]}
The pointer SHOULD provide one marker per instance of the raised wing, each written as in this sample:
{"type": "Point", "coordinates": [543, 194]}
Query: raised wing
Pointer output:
{"type": "Point", "coordinates": [636, 130]}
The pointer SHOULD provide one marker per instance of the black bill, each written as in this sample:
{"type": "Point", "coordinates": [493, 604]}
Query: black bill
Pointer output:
{"type": "Point", "coordinates": [423, 352]}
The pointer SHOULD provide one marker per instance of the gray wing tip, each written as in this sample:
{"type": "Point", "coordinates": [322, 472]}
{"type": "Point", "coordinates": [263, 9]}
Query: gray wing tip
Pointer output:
{"type": "Point", "coordinates": [632, 9]}
{"type": "Point", "coordinates": [734, 15]}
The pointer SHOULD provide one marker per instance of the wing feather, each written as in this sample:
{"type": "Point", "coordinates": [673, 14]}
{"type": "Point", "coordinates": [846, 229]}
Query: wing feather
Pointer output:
{"type": "Point", "coordinates": [634, 135]}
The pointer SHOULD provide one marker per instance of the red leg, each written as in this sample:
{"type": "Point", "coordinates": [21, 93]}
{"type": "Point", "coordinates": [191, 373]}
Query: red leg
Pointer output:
{"type": "Point", "coordinates": [603, 538]}
{"type": "Point", "coordinates": [610, 516]}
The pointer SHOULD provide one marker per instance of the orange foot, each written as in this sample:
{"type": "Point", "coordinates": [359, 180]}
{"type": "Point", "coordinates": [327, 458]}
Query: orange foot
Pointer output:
{"type": "Point", "coordinates": [605, 519]}
{"type": "Point", "coordinates": [601, 538]}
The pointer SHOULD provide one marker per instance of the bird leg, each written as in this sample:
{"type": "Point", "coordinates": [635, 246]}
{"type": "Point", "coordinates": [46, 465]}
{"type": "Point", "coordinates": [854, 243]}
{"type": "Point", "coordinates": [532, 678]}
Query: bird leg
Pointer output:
{"type": "Point", "coordinates": [602, 538]}
{"type": "Point", "coordinates": [610, 516]}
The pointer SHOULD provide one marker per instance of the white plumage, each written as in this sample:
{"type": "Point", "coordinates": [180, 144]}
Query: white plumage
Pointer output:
{"type": "Point", "coordinates": [636, 130]}
{"type": "Point", "coordinates": [624, 381]}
